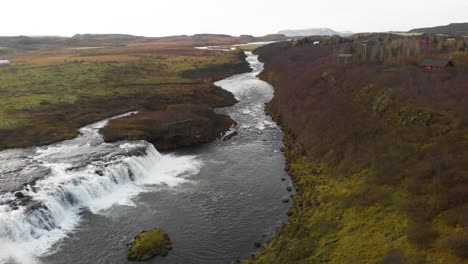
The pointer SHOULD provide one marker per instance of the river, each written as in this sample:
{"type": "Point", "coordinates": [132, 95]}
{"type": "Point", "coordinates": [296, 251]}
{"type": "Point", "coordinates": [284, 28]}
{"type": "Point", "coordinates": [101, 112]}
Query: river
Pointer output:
{"type": "Point", "coordinates": [82, 200]}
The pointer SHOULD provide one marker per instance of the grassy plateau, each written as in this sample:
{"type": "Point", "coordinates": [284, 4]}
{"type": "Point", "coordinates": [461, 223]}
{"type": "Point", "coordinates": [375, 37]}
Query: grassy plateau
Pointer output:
{"type": "Point", "coordinates": [54, 86]}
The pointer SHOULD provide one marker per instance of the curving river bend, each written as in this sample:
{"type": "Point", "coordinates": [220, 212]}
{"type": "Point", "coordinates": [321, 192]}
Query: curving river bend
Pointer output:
{"type": "Point", "coordinates": [88, 198]}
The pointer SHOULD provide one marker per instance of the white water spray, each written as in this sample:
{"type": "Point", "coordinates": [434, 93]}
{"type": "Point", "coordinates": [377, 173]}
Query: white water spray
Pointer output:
{"type": "Point", "coordinates": [84, 173]}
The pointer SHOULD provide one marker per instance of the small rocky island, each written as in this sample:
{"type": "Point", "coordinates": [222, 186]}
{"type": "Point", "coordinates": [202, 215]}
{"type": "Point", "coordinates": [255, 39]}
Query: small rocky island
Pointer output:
{"type": "Point", "coordinates": [149, 244]}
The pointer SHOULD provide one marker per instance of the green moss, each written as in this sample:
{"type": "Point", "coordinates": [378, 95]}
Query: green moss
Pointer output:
{"type": "Point", "coordinates": [149, 244]}
{"type": "Point", "coordinates": [382, 101]}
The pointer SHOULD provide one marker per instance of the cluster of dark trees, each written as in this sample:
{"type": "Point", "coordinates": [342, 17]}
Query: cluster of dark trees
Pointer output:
{"type": "Point", "coordinates": [389, 48]}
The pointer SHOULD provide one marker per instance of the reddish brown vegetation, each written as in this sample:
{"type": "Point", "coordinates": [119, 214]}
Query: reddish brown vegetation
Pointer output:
{"type": "Point", "coordinates": [381, 113]}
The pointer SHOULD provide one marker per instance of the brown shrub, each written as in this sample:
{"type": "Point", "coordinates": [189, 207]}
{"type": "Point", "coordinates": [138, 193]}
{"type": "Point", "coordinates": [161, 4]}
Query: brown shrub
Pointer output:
{"type": "Point", "coordinates": [457, 243]}
{"type": "Point", "coordinates": [421, 234]}
{"type": "Point", "coordinates": [457, 216]}
{"type": "Point", "coordinates": [418, 208]}
{"type": "Point", "coordinates": [369, 195]}
{"type": "Point", "coordinates": [393, 257]}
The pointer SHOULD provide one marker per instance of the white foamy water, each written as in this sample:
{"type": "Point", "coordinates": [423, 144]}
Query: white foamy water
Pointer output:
{"type": "Point", "coordinates": [13, 253]}
{"type": "Point", "coordinates": [248, 94]}
{"type": "Point", "coordinates": [82, 173]}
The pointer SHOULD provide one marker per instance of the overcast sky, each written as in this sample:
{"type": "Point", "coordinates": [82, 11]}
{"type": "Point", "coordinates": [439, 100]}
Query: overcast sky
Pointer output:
{"type": "Point", "coordinates": [256, 17]}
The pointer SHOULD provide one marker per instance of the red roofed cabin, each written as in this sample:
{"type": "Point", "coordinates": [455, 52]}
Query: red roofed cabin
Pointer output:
{"type": "Point", "coordinates": [434, 64]}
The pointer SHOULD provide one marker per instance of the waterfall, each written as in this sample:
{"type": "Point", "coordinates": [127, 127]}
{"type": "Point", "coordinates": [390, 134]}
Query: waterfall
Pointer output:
{"type": "Point", "coordinates": [82, 175]}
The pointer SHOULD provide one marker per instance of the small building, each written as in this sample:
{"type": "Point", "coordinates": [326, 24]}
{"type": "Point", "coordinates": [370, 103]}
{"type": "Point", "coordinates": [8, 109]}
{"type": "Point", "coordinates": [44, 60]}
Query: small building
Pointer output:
{"type": "Point", "coordinates": [4, 62]}
{"type": "Point", "coordinates": [434, 64]}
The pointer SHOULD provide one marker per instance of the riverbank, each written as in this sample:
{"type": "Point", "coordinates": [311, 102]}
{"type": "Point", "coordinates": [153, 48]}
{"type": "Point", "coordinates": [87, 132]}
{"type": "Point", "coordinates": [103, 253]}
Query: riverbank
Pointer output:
{"type": "Point", "coordinates": [377, 161]}
{"type": "Point", "coordinates": [47, 94]}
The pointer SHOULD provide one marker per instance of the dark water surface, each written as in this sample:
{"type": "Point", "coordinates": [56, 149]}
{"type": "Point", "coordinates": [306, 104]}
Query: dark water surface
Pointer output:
{"type": "Point", "coordinates": [214, 210]}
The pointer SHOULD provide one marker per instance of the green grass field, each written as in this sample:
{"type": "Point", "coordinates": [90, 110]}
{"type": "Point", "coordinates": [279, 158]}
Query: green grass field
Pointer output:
{"type": "Point", "coordinates": [250, 47]}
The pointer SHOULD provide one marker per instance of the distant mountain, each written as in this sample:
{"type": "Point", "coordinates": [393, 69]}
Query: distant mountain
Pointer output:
{"type": "Point", "coordinates": [455, 29]}
{"type": "Point", "coordinates": [346, 33]}
{"type": "Point", "coordinates": [105, 37]}
{"type": "Point", "coordinates": [313, 32]}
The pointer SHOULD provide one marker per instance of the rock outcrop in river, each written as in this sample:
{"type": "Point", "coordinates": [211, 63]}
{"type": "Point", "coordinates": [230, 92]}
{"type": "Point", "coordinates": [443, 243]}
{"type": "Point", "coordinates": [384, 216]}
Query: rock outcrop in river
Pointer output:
{"type": "Point", "coordinates": [149, 244]}
{"type": "Point", "coordinates": [178, 126]}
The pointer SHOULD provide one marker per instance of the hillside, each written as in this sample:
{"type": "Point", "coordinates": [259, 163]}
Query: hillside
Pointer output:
{"type": "Point", "coordinates": [376, 147]}
{"type": "Point", "coordinates": [313, 32]}
{"type": "Point", "coordinates": [455, 29]}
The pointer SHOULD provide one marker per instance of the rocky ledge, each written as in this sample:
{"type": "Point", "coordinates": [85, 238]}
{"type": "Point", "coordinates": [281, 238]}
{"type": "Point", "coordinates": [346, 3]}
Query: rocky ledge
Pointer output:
{"type": "Point", "coordinates": [180, 125]}
{"type": "Point", "coordinates": [149, 244]}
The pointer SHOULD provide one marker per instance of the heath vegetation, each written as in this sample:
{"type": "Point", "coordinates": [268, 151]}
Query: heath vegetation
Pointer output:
{"type": "Point", "coordinates": [376, 147]}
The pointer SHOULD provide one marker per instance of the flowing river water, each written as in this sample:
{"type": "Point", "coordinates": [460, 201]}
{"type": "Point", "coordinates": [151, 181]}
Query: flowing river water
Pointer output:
{"type": "Point", "coordinates": [82, 200]}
